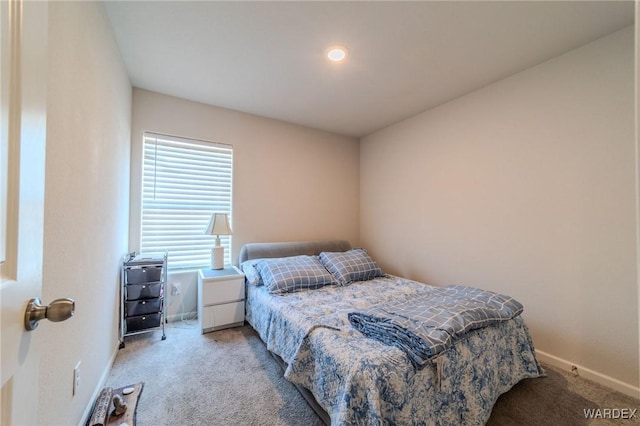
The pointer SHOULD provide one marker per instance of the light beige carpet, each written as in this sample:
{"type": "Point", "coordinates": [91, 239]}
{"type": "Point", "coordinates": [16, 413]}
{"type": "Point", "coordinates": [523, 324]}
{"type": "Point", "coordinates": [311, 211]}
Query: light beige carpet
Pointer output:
{"type": "Point", "coordinates": [229, 378]}
{"type": "Point", "coordinates": [221, 378]}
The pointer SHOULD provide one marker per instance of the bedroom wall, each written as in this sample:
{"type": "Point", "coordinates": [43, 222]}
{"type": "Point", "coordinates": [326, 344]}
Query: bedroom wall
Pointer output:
{"type": "Point", "coordinates": [290, 183]}
{"type": "Point", "coordinates": [86, 205]}
{"type": "Point", "coordinates": [527, 187]}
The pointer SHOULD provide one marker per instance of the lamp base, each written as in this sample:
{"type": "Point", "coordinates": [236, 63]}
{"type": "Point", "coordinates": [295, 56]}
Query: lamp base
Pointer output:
{"type": "Point", "coordinates": [217, 257]}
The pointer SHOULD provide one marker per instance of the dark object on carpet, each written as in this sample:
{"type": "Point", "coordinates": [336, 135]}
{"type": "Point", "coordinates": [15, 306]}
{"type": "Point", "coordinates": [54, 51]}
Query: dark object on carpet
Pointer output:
{"type": "Point", "coordinates": [131, 401]}
{"type": "Point", "coordinates": [101, 408]}
{"type": "Point", "coordinates": [115, 407]}
{"type": "Point", "coordinates": [119, 406]}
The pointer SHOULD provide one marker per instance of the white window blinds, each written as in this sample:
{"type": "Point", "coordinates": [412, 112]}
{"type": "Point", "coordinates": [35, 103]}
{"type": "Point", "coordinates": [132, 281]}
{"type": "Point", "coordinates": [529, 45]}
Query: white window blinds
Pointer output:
{"type": "Point", "coordinates": [184, 182]}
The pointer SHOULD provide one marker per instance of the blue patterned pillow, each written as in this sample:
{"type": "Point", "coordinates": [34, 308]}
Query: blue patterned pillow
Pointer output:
{"type": "Point", "coordinates": [251, 273]}
{"type": "Point", "coordinates": [352, 265]}
{"type": "Point", "coordinates": [294, 273]}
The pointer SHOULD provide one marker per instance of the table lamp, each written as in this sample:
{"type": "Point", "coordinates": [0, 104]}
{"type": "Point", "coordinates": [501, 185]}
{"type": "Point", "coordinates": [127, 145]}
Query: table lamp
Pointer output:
{"type": "Point", "coordinates": [218, 225]}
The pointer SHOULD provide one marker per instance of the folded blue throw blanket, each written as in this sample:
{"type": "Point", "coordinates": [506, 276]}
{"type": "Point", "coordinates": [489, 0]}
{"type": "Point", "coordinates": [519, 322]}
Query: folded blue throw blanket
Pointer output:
{"type": "Point", "coordinates": [425, 325]}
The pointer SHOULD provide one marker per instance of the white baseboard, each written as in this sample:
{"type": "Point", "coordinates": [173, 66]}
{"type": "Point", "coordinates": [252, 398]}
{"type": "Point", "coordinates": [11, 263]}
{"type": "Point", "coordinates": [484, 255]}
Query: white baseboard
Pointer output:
{"type": "Point", "coordinates": [587, 373]}
{"type": "Point", "coordinates": [103, 380]}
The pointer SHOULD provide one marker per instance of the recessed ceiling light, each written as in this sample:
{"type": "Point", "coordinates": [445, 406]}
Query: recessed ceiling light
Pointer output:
{"type": "Point", "coordinates": [337, 53]}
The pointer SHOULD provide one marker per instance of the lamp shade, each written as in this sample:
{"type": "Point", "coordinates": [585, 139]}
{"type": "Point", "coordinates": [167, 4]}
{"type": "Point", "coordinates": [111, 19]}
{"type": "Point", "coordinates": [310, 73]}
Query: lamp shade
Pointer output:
{"type": "Point", "coordinates": [218, 225]}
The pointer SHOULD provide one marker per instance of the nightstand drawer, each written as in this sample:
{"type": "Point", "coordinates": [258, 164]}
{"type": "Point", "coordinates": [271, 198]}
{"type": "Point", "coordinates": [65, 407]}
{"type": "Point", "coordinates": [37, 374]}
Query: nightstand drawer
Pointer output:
{"type": "Point", "coordinates": [222, 316]}
{"type": "Point", "coordinates": [214, 293]}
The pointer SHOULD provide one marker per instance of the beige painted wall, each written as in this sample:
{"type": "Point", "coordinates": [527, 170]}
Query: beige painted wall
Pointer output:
{"type": "Point", "coordinates": [290, 183]}
{"type": "Point", "coordinates": [527, 187]}
{"type": "Point", "coordinates": [86, 204]}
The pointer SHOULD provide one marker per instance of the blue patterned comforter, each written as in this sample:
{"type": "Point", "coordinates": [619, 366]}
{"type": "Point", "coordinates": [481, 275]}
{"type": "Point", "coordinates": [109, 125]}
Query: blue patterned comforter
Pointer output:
{"type": "Point", "coordinates": [361, 381]}
{"type": "Point", "coordinates": [430, 322]}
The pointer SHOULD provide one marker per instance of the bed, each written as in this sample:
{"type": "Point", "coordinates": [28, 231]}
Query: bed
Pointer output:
{"type": "Point", "coordinates": [352, 379]}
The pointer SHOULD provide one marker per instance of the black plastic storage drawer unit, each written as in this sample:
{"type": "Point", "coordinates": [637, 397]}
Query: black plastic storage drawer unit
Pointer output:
{"type": "Point", "coordinates": [142, 304]}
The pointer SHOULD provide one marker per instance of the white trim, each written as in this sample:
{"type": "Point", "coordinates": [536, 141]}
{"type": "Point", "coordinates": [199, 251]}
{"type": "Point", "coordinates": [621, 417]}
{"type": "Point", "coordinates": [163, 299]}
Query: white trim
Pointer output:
{"type": "Point", "coordinates": [101, 384]}
{"type": "Point", "coordinates": [589, 374]}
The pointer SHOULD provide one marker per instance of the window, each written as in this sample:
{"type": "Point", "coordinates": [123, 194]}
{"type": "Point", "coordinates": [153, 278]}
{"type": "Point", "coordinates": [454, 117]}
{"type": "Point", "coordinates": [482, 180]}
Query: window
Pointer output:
{"type": "Point", "coordinates": [184, 181]}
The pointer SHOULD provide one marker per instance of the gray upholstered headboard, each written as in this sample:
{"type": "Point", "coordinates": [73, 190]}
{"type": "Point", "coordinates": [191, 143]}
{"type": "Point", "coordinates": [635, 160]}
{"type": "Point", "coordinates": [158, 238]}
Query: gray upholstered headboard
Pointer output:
{"type": "Point", "coordinates": [262, 250]}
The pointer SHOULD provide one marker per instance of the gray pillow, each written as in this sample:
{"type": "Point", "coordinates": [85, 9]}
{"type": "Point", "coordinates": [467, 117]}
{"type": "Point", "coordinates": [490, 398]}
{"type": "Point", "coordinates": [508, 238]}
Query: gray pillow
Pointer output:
{"type": "Point", "coordinates": [250, 272]}
{"type": "Point", "coordinates": [294, 273]}
{"type": "Point", "coordinates": [351, 265]}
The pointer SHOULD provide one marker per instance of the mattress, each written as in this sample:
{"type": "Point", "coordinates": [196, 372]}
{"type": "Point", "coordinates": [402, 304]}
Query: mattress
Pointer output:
{"type": "Point", "coordinates": [358, 380]}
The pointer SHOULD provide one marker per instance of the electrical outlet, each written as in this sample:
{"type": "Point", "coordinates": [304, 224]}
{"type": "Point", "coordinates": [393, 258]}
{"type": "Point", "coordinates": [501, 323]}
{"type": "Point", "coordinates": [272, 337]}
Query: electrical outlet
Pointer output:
{"type": "Point", "coordinates": [176, 288]}
{"type": "Point", "coordinates": [76, 378]}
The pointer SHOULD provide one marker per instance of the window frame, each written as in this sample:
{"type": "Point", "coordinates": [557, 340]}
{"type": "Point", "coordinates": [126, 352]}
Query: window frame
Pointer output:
{"type": "Point", "coordinates": [170, 146]}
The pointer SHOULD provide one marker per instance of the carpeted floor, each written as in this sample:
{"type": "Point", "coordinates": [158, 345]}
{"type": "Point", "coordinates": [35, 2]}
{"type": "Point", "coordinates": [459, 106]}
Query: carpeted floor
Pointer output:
{"type": "Point", "coordinates": [229, 378]}
{"type": "Point", "coordinates": [221, 378]}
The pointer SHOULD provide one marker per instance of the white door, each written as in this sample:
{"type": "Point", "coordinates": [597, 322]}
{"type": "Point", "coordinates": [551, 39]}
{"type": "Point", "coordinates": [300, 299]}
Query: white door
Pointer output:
{"type": "Point", "coordinates": [24, 27]}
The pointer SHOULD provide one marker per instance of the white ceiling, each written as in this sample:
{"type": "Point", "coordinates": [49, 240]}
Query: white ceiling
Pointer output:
{"type": "Point", "coordinates": [267, 58]}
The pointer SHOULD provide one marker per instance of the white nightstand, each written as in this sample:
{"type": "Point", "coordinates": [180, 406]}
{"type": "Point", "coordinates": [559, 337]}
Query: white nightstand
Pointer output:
{"type": "Point", "coordinates": [220, 298]}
